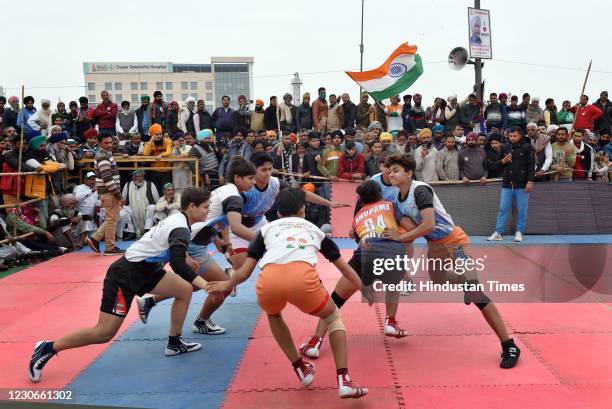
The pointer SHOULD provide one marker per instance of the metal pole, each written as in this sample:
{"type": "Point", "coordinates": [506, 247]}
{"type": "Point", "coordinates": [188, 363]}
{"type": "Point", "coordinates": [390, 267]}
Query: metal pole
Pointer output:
{"type": "Point", "coordinates": [478, 66]}
{"type": "Point", "coordinates": [361, 45]}
{"type": "Point", "coordinates": [22, 124]}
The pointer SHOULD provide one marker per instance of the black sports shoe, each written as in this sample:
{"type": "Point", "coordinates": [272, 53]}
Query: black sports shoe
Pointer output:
{"type": "Point", "coordinates": [43, 351]}
{"type": "Point", "coordinates": [145, 305]}
{"type": "Point", "coordinates": [510, 354]}
{"type": "Point", "coordinates": [93, 244]}
{"type": "Point", "coordinates": [114, 252]}
{"type": "Point", "coordinates": [178, 346]}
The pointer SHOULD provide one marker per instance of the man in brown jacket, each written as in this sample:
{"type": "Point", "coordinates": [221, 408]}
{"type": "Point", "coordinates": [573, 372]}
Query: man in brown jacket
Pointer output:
{"type": "Point", "coordinates": [335, 114]}
{"type": "Point", "coordinates": [319, 111]}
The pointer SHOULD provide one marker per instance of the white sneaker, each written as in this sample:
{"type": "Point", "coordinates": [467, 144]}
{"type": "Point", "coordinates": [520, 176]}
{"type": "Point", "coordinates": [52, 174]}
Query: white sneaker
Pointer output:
{"type": "Point", "coordinates": [518, 236]}
{"type": "Point", "coordinates": [207, 327]}
{"type": "Point", "coordinates": [495, 237]}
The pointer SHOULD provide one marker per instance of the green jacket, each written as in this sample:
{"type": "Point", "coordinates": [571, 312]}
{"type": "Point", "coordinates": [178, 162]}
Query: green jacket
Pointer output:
{"type": "Point", "coordinates": [22, 227]}
{"type": "Point", "coordinates": [330, 159]}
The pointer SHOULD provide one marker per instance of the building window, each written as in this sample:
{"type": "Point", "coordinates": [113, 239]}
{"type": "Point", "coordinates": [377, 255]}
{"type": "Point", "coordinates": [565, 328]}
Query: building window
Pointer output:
{"type": "Point", "coordinates": [169, 97]}
{"type": "Point", "coordinates": [134, 86]}
{"type": "Point", "coordinates": [91, 86]}
{"type": "Point", "coordinates": [194, 85]}
{"type": "Point", "coordinates": [159, 85]}
{"type": "Point", "coordinates": [108, 86]}
{"type": "Point", "coordinates": [195, 95]}
{"type": "Point", "coordinates": [209, 96]}
{"type": "Point", "coordinates": [168, 86]}
{"type": "Point", "coordinates": [92, 99]}
{"type": "Point", "coordinates": [118, 86]}
{"type": "Point", "coordinates": [184, 85]}
{"type": "Point", "coordinates": [143, 86]}
{"type": "Point", "coordinates": [184, 96]}
{"type": "Point", "coordinates": [134, 97]}
{"type": "Point", "coordinates": [118, 98]}
{"type": "Point", "coordinates": [208, 85]}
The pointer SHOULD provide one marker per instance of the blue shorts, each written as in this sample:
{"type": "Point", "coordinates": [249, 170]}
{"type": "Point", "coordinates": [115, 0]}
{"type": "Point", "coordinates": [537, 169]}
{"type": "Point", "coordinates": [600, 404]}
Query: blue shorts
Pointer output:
{"type": "Point", "coordinates": [201, 255]}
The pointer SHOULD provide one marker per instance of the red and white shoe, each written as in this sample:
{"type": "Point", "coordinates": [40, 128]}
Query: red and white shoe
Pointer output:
{"type": "Point", "coordinates": [311, 348]}
{"type": "Point", "coordinates": [392, 329]}
{"type": "Point", "coordinates": [348, 389]}
{"type": "Point", "coordinates": [305, 373]}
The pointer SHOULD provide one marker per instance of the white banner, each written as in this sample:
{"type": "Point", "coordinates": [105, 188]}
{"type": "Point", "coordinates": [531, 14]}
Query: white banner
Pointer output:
{"type": "Point", "coordinates": [126, 67]}
{"type": "Point", "coordinates": [479, 23]}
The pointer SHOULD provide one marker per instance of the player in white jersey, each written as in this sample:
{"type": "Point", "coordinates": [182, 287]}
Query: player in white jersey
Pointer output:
{"type": "Point", "coordinates": [259, 204]}
{"type": "Point", "coordinates": [445, 241]}
{"type": "Point", "coordinates": [226, 207]}
{"type": "Point", "coordinates": [286, 249]}
{"type": "Point", "coordinates": [139, 272]}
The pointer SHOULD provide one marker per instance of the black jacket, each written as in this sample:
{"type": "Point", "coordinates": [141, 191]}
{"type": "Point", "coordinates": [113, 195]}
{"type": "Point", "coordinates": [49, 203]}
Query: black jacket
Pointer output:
{"type": "Point", "coordinates": [303, 117]}
{"type": "Point", "coordinates": [270, 118]}
{"type": "Point", "coordinates": [350, 114]}
{"type": "Point", "coordinates": [522, 168]}
{"type": "Point", "coordinates": [494, 165]}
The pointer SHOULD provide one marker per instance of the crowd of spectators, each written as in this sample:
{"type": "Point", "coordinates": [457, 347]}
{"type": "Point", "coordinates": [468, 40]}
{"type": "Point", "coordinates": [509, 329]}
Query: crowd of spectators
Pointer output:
{"type": "Point", "coordinates": [330, 137]}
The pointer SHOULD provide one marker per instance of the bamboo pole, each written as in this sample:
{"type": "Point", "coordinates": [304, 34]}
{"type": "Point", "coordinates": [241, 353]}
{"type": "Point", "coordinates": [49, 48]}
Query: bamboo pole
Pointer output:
{"type": "Point", "coordinates": [20, 158]}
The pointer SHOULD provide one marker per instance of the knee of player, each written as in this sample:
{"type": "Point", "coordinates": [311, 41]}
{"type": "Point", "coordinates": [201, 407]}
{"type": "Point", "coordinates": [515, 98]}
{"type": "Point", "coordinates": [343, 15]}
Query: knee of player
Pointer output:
{"type": "Point", "coordinates": [334, 322]}
{"type": "Point", "coordinates": [104, 335]}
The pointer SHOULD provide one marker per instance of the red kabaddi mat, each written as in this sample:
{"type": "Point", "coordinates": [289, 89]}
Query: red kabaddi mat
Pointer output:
{"type": "Point", "coordinates": [342, 217]}
{"type": "Point", "coordinates": [46, 301]}
{"type": "Point", "coordinates": [449, 360]}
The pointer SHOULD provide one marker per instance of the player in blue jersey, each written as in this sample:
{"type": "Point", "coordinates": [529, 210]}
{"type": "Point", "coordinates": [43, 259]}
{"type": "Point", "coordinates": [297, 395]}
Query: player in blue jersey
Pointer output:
{"type": "Point", "coordinates": [445, 241]}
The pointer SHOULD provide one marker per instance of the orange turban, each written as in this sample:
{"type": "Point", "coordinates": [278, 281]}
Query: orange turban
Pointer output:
{"type": "Point", "coordinates": [155, 129]}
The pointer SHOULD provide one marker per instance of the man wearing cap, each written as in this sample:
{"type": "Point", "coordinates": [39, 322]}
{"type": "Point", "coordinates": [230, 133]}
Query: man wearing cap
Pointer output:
{"type": "Point", "coordinates": [303, 113]}
{"type": "Point", "coordinates": [143, 115]}
{"type": "Point", "coordinates": [140, 197]}
{"type": "Point", "coordinates": [452, 113]}
{"type": "Point", "coordinates": [158, 109]}
{"type": "Point", "coordinates": [27, 112]}
{"type": "Point", "coordinates": [59, 152]}
{"type": "Point", "coordinates": [40, 121]}
{"type": "Point", "coordinates": [438, 136]}
{"type": "Point", "coordinates": [81, 118]}
{"type": "Point", "coordinates": [386, 139]}
{"type": "Point", "coordinates": [159, 147]}
{"type": "Point", "coordinates": [534, 113]}
{"type": "Point", "coordinates": [473, 161]}
{"type": "Point", "coordinates": [208, 157]}
{"type": "Point", "coordinates": [425, 158]}
{"type": "Point", "coordinates": [87, 198]}
{"type": "Point", "coordinates": [105, 114]}
{"type": "Point", "coordinates": [168, 204]}
{"type": "Point", "coordinates": [257, 116]}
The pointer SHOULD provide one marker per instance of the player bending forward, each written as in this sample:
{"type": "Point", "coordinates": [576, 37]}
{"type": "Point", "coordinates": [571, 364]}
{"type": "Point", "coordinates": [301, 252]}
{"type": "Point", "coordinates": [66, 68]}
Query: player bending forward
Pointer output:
{"type": "Point", "coordinates": [287, 252]}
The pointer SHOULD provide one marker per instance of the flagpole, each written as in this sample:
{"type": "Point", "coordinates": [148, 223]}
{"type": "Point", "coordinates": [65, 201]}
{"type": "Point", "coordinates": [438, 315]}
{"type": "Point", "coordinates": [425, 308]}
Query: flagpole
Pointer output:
{"type": "Point", "coordinates": [361, 46]}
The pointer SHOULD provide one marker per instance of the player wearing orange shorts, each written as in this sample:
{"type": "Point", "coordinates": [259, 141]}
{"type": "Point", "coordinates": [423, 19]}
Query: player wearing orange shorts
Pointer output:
{"type": "Point", "coordinates": [286, 249]}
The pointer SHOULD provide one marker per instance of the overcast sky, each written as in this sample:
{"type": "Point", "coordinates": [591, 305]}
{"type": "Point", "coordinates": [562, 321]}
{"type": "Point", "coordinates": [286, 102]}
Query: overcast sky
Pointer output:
{"type": "Point", "coordinates": [45, 43]}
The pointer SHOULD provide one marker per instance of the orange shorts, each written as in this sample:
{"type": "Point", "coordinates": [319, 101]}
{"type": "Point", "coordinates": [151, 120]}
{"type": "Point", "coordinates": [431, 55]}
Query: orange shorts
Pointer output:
{"type": "Point", "coordinates": [452, 246]}
{"type": "Point", "coordinates": [297, 283]}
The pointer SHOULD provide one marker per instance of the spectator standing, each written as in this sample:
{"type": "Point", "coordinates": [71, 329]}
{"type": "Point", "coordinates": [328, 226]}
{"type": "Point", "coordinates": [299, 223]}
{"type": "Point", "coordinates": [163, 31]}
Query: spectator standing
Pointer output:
{"type": "Point", "coordinates": [126, 122]}
{"type": "Point", "coordinates": [172, 115]}
{"type": "Point", "coordinates": [425, 158]}
{"type": "Point", "coordinates": [158, 109]}
{"type": "Point", "coordinates": [328, 165]}
{"type": "Point", "coordinates": [208, 156]}
{"type": "Point", "coordinates": [351, 165]}
{"type": "Point", "coordinates": [105, 114]}
{"type": "Point", "coordinates": [143, 115]}
{"type": "Point", "coordinates": [159, 147]}
{"type": "Point", "coordinates": [550, 112]}
{"type": "Point", "coordinates": [28, 111]}
{"type": "Point", "coordinates": [393, 111]}
{"type": "Point", "coordinates": [303, 113]}
{"type": "Point", "coordinates": [10, 114]}
{"type": "Point", "coordinates": [586, 114]}
{"type": "Point", "coordinates": [364, 113]}
{"type": "Point", "coordinates": [534, 113]}
{"type": "Point", "coordinates": [473, 161]}
{"type": "Point", "coordinates": [185, 118]}
{"type": "Point", "coordinates": [223, 119]}
{"type": "Point", "coordinates": [242, 116]}
{"type": "Point", "coordinates": [83, 119]}
{"type": "Point", "coordinates": [605, 106]}
{"type": "Point", "coordinates": [585, 157]}
{"type": "Point", "coordinates": [201, 119]}
{"type": "Point", "coordinates": [447, 160]}
{"type": "Point", "coordinates": [470, 114]}
{"type": "Point", "coordinates": [62, 114]}
{"type": "Point", "coordinates": [459, 135]}
{"type": "Point", "coordinates": [452, 113]}
{"type": "Point", "coordinates": [40, 121]}
{"type": "Point", "coordinates": [417, 114]}
{"type": "Point", "coordinates": [335, 114]}
{"type": "Point", "coordinates": [564, 156]}
{"type": "Point", "coordinates": [516, 113]}
{"type": "Point", "coordinates": [495, 156]}
{"type": "Point", "coordinates": [238, 146]}
{"type": "Point", "coordinates": [518, 177]}
{"type": "Point", "coordinates": [540, 141]}
{"type": "Point", "coordinates": [495, 113]}
{"type": "Point", "coordinates": [435, 113]}
{"type": "Point", "coordinates": [350, 111]}
{"type": "Point", "coordinates": [109, 189]}
{"type": "Point", "coordinates": [271, 115]}
{"type": "Point", "coordinates": [286, 113]}
{"type": "Point", "coordinates": [565, 117]}
{"type": "Point", "coordinates": [257, 116]}
{"type": "Point", "coordinates": [319, 111]}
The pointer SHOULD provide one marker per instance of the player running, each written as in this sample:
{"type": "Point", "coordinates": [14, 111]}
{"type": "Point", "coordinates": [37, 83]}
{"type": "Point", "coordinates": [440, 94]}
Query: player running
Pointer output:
{"type": "Point", "coordinates": [286, 249]}
{"type": "Point", "coordinates": [136, 273]}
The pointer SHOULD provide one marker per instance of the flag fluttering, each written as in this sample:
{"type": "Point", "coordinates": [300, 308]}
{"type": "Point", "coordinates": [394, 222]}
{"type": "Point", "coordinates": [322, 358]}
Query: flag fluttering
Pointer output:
{"type": "Point", "coordinates": [394, 76]}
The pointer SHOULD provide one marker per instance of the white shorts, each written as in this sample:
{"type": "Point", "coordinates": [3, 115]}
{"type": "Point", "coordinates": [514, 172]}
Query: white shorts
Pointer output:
{"type": "Point", "coordinates": [239, 242]}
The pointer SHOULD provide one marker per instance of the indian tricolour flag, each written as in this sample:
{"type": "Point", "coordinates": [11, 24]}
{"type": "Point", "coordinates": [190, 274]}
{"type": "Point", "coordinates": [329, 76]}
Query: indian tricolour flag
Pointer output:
{"type": "Point", "coordinates": [399, 72]}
